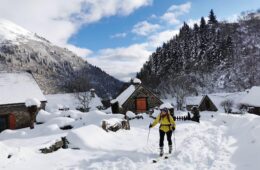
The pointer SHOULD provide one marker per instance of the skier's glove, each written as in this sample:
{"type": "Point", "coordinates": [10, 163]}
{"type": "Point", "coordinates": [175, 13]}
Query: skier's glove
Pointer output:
{"type": "Point", "coordinates": [173, 128]}
{"type": "Point", "coordinates": [150, 126]}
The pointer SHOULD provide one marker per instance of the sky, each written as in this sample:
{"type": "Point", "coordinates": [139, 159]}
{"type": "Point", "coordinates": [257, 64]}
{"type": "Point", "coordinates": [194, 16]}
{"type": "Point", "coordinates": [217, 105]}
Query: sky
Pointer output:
{"type": "Point", "coordinates": [116, 35]}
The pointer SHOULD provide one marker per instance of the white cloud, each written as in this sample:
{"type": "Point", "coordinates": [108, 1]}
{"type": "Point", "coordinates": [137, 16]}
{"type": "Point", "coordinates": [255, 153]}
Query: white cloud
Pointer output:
{"type": "Point", "coordinates": [144, 28]}
{"type": "Point", "coordinates": [123, 61]}
{"type": "Point", "coordinates": [153, 16]}
{"type": "Point", "coordinates": [58, 20]}
{"type": "Point", "coordinates": [233, 18]}
{"type": "Point", "coordinates": [79, 51]}
{"type": "Point", "coordinates": [191, 22]}
{"type": "Point", "coordinates": [119, 35]}
{"type": "Point", "coordinates": [175, 11]}
{"type": "Point", "coordinates": [158, 39]}
{"type": "Point", "coordinates": [93, 11]}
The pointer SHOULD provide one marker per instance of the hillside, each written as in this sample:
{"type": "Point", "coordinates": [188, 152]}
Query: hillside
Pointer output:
{"type": "Point", "coordinates": [212, 56]}
{"type": "Point", "coordinates": [52, 66]}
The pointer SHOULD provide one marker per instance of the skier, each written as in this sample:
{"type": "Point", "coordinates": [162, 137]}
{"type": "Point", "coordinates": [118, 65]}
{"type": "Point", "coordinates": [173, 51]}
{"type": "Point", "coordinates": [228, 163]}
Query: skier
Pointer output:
{"type": "Point", "coordinates": [167, 126]}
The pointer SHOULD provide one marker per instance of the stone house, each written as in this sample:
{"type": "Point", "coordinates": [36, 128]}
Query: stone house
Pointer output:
{"type": "Point", "coordinates": [203, 103]}
{"type": "Point", "coordinates": [135, 98]}
{"type": "Point", "coordinates": [251, 101]}
{"type": "Point", "coordinates": [15, 89]}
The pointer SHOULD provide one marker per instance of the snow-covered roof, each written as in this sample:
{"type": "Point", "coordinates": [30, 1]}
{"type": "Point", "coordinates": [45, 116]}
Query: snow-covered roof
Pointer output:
{"type": "Point", "coordinates": [18, 87]}
{"type": "Point", "coordinates": [124, 95]}
{"type": "Point", "coordinates": [193, 100]}
{"type": "Point", "coordinates": [69, 100]}
{"type": "Point", "coordinates": [32, 102]}
{"type": "Point", "coordinates": [218, 98]}
{"type": "Point", "coordinates": [252, 98]}
{"type": "Point", "coordinates": [137, 81]}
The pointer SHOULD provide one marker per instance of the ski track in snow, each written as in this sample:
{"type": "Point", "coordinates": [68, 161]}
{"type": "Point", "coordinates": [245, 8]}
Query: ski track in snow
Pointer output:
{"type": "Point", "coordinates": [208, 152]}
{"type": "Point", "coordinates": [209, 145]}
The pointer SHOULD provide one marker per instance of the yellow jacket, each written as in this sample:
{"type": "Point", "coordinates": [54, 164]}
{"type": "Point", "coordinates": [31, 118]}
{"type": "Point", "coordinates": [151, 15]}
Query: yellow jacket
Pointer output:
{"type": "Point", "coordinates": [166, 122]}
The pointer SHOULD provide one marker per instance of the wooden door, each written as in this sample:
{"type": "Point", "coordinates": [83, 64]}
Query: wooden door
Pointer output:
{"type": "Point", "coordinates": [12, 121]}
{"type": "Point", "coordinates": [141, 105]}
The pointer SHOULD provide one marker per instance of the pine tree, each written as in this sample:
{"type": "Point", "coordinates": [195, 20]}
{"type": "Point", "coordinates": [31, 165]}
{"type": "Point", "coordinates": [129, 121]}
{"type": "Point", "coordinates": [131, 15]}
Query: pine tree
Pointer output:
{"type": "Point", "coordinates": [229, 51]}
{"type": "Point", "coordinates": [202, 54]}
{"type": "Point", "coordinates": [203, 25]}
{"type": "Point", "coordinates": [212, 18]}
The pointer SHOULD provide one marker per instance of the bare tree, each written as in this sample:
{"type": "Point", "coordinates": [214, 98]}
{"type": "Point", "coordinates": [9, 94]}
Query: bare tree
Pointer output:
{"type": "Point", "coordinates": [227, 105]}
{"type": "Point", "coordinates": [79, 84]}
{"type": "Point", "coordinates": [180, 94]}
{"type": "Point", "coordinates": [84, 100]}
{"type": "Point", "coordinates": [182, 86]}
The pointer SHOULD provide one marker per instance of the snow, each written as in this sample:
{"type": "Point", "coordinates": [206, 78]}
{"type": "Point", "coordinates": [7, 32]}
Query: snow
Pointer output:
{"type": "Point", "coordinates": [166, 105]}
{"type": "Point", "coordinates": [69, 100]}
{"type": "Point", "coordinates": [130, 114]}
{"type": "Point", "coordinates": [193, 100]}
{"type": "Point", "coordinates": [137, 81]}
{"type": "Point", "coordinates": [121, 99]}
{"type": "Point", "coordinates": [60, 121]}
{"type": "Point", "coordinates": [113, 121]}
{"type": "Point", "coordinates": [95, 117]}
{"type": "Point", "coordinates": [219, 141]}
{"type": "Point", "coordinates": [44, 116]}
{"type": "Point", "coordinates": [12, 32]}
{"type": "Point", "coordinates": [18, 87]}
{"type": "Point", "coordinates": [75, 114]}
{"type": "Point", "coordinates": [95, 137]}
{"type": "Point", "coordinates": [32, 102]}
{"type": "Point", "coordinates": [217, 98]}
{"type": "Point", "coordinates": [252, 98]}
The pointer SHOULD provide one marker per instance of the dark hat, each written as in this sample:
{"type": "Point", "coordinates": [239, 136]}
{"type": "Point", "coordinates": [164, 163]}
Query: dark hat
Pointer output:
{"type": "Point", "coordinates": [164, 109]}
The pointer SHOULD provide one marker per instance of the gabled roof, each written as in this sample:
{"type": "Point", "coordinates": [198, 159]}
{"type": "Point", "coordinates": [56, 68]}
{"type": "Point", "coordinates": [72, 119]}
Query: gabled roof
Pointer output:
{"type": "Point", "coordinates": [121, 99]}
{"type": "Point", "coordinates": [252, 98]}
{"type": "Point", "coordinates": [17, 87]}
{"type": "Point", "coordinates": [198, 100]}
{"type": "Point", "coordinates": [193, 100]}
{"type": "Point", "coordinates": [214, 107]}
{"type": "Point", "coordinates": [217, 98]}
{"type": "Point", "coordinates": [126, 94]}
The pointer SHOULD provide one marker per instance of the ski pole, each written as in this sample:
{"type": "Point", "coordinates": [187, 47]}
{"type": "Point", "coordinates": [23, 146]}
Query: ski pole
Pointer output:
{"type": "Point", "coordinates": [148, 136]}
{"type": "Point", "coordinates": [174, 140]}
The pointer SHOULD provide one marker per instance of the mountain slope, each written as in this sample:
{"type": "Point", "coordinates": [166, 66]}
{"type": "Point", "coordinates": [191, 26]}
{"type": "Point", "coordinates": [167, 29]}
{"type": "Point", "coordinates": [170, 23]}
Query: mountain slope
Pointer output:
{"type": "Point", "coordinates": [51, 65]}
{"type": "Point", "coordinates": [210, 57]}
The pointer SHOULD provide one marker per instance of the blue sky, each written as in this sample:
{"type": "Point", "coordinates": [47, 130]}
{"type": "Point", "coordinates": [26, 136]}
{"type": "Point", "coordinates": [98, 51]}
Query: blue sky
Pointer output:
{"type": "Point", "coordinates": [99, 35]}
{"type": "Point", "coordinates": [116, 35]}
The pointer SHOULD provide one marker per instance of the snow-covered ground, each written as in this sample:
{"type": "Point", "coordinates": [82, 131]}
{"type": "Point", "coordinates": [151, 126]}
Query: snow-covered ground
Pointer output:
{"type": "Point", "coordinates": [237, 98]}
{"type": "Point", "coordinates": [70, 101]}
{"type": "Point", "coordinates": [220, 142]}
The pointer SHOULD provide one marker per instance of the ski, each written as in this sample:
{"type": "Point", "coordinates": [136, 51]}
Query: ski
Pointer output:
{"type": "Point", "coordinates": [157, 160]}
{"type": "Point", "coordinates": [166, 156]}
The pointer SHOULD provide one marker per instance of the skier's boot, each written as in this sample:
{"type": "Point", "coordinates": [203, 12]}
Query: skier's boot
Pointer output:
{"type": "Point", "coordinates": [161, 151]}
{"type": "Point", "coordinates": [170, 149]}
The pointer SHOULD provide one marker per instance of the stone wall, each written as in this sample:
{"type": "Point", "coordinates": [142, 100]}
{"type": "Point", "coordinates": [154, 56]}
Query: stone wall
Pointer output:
{"type": "Point", "coordinates": [152, 101]}
{"type": "Point", "coordinates": [21, 114]}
